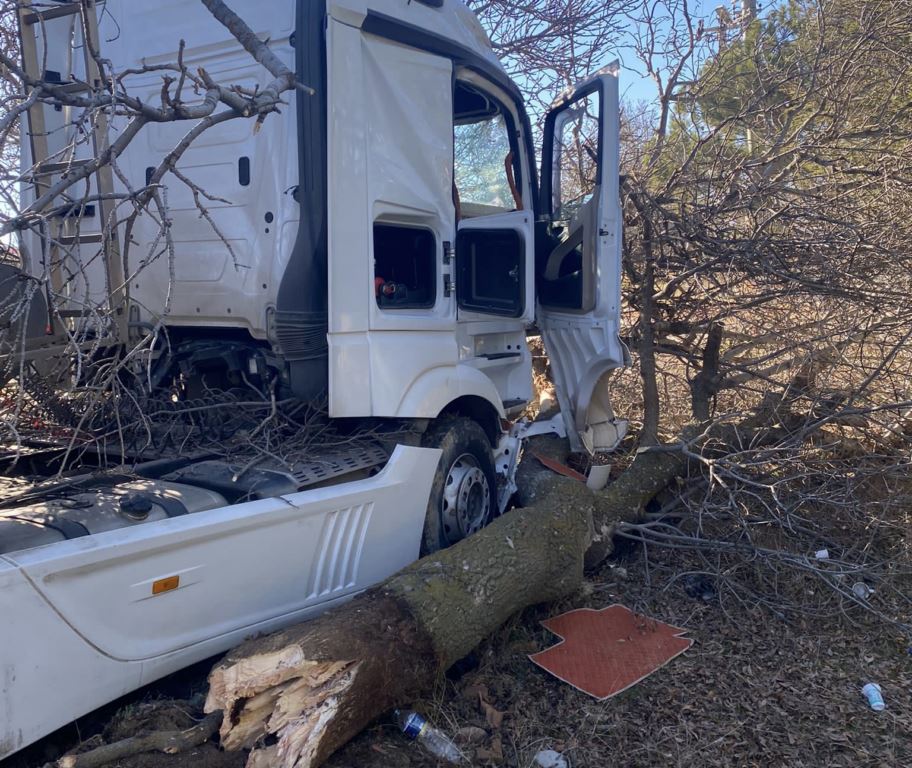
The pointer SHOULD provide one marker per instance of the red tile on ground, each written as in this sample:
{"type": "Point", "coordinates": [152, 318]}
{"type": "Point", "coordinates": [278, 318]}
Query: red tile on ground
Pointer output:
{"type": "Point", "coordinates": [561, 469]}
{"type": "Point", "coordinates": [607, 651]}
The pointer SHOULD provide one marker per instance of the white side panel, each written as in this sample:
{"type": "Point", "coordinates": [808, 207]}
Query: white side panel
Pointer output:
{"type": "Point", "coordinates": [81, 626]}
{"type": "Point", "coordinates": [390, 161]}
{"type": "Point", "coordinates": [399, 360]}
{"type": "Point", "coordinates": [350, 271]}
{"type": "Point", "coordinates": [409, 112]}
{"type": "Point", "coordinates": [224, 272]}
{"type": "Point", "coordinates": [237, 565]}
{"type": "Point", "coordinates": [132, 32]}
{"type": "Point", "coordinates": [437, 387]}
{"type": "Point", "coordinates": [49, 675]}
{"type": "Point", "coordinates": [47, 672]}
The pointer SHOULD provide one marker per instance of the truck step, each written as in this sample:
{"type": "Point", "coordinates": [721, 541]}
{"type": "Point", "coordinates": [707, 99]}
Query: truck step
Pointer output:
{"type": "Point", "coordinates": [48, 169]}
{"type": "Point", "coordinates": [76, 86]}
{"type": "Point", "coordinates": [69, 9]}
{"type": "Point", "coordinates": [86, 238]}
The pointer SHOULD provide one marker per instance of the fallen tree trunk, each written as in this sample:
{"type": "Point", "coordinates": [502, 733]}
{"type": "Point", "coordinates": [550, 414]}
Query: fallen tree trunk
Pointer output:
{"type": "Point", "coordinates": [296, 696]}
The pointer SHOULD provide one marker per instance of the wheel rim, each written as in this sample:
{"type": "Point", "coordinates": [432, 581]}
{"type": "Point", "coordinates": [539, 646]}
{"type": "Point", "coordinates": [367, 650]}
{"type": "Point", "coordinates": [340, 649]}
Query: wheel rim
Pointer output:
{"type": "Point", "coordinates": [466, 499]}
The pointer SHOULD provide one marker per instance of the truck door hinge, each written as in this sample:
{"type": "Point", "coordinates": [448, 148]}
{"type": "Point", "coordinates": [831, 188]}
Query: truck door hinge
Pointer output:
{"type": "Point", "coordinates": [447, 252]}
{"type": "Point", "coordinates": [447, 285]}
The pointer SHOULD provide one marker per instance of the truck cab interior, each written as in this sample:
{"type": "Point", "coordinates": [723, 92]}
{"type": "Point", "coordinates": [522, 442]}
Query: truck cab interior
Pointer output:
{"type": "Point", "coordinates": [405, 275]}
{"type": "Point", "coordinates": [564, 266]}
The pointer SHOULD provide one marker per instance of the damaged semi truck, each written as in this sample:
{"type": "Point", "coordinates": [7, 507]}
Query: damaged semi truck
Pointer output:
{"type": "Point", "coordinates": [384, 243]}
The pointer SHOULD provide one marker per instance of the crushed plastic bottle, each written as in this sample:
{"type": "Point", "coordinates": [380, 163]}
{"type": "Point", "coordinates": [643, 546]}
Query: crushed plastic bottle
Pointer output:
{"type": "Point", "coordinates": [874, 696]}
{"type": "Point", "coordinates": [437, 743]}
{"type": "Point", "coordinates": [548, 758]}
{"type": "Point", "coordinates": [861, 590]}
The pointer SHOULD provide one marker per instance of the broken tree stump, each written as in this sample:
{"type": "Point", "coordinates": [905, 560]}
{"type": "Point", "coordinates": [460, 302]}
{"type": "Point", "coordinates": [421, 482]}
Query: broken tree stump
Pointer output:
{"type": "Point", "coordinates": [296, 696]}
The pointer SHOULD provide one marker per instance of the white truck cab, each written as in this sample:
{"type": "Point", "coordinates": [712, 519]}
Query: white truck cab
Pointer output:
{"type": "Point", "coordinates": [385, 241]}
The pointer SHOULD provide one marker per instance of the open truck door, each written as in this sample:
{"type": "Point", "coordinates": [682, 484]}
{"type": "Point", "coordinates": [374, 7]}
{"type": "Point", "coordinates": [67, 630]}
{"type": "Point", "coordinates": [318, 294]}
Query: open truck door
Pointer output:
{"type": "Point", "coordinates": [578, 258]}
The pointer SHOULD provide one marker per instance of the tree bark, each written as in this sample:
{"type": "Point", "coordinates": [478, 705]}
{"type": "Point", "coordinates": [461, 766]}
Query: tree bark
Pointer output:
{"type": "Point", "coordinates": [649, 433]}
{"type": "Point", "coordinates": [169, 742]}
{"type": "Point", "coordinates": [296, 696]}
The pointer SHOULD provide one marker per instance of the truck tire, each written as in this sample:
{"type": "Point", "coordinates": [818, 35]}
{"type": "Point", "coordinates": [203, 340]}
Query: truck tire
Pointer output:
{"type": "Point", "coordinates": [464, 494]}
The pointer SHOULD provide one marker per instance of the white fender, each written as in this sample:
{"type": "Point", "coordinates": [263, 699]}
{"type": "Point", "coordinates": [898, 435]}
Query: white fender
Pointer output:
{"type": "Point", "coordinates": [433, 390]}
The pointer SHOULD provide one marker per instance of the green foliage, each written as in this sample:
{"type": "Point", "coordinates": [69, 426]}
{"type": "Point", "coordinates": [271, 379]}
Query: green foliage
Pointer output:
{"type": "Point", "coordinates": [805, 92]}
{"type": "Point", "coordinates": [759, 72]}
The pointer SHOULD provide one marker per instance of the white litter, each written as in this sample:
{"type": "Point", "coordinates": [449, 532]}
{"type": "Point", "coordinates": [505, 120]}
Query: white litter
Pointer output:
{"type": "Point", "coordinates": [548, 758]}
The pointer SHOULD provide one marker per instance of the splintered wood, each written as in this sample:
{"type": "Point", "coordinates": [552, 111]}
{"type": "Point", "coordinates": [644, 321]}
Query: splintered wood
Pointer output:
{"type": "Point", "coordinates": [279, 693]}
{"type": "Point", "coordinates": [294, 697]}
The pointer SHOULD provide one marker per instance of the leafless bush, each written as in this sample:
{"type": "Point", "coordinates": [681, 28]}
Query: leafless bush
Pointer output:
{"type": "Point", "coordinates": [768, 267]}
{"type": "Point", "coordinates": [549, 45]}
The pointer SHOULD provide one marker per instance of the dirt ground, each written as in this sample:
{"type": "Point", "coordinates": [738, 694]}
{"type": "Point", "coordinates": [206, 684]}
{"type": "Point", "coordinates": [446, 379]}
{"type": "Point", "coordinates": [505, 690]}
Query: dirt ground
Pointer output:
{"type": "Point", "coordinates": [754, 690]}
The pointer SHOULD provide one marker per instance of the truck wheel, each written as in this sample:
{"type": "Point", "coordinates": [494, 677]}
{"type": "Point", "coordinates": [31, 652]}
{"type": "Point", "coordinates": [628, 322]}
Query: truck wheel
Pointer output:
{"type": "Point", "coordinates": [463, 496]}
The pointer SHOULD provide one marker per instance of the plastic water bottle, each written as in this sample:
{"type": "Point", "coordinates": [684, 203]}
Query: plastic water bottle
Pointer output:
{"type": "Point", "coordinates": [874, 696]}
{"type": "Point", "coordinates": [438, 744]}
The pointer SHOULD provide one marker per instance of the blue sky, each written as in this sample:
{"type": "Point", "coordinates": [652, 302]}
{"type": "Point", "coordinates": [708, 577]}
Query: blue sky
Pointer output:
{"type": "Point", "coordinates": [636, 85]}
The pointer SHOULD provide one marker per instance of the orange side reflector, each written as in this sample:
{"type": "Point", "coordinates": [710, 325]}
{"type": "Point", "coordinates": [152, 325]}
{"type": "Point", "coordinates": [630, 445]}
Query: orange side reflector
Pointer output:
{"type": "Point", "coordinates": [165, 585]}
